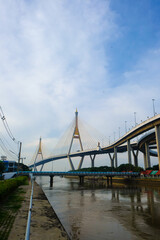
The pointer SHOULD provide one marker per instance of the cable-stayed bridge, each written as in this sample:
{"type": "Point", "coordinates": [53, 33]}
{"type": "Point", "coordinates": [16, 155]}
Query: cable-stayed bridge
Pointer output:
{"type": "Point", "coordinates": [75, 144]}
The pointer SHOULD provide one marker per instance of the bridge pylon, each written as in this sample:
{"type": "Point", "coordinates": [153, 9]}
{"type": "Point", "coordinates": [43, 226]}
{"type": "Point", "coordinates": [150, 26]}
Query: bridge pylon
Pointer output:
{"type": "Point", "coordinates": [39, 153]}
{"type": "Point", "coordinates": [76, 135]}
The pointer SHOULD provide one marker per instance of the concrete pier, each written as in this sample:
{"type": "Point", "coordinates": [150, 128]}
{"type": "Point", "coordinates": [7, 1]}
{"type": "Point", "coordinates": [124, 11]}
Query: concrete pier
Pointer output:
{"type": "Point", "coordinates": [109, 180]}
{"type": "Point", "coordinates": [51, 181]}
{"type": "Point", "coordinates": [157, 131]}
{"type": "Point", "coordinates": [115, 157]}
{"type": "Point", "coordinates": [147, 155]}
{"type": "Point", "coordinates": [81, 179]}
{"type": "Point", "coordinates": [129, 152]}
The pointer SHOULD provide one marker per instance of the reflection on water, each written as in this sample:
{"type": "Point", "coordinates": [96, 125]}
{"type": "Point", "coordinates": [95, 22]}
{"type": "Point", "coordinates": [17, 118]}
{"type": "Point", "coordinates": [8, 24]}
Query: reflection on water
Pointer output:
{"type": "Point", "coordinates": [98, 211]}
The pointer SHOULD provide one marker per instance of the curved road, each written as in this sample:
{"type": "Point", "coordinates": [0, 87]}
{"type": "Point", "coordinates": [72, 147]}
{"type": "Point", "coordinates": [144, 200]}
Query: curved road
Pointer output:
{"type": "Point", "coordinates": [120, 143]}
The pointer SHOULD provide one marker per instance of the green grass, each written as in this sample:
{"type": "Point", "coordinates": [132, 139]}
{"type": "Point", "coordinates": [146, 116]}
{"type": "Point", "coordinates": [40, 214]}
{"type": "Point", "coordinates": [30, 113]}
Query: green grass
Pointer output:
{"type": "Point", "coordinates": [7, 186]}
{"type": "Point", "coordinates": [10, 203]}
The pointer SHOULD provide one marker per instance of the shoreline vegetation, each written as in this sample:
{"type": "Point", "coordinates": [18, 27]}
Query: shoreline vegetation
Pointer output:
{"type": "Point", "coordinates": [122, 168]}
{"type": "Point", "coordinates": [11, 197]}
{"type": "Point", "coordinates": [152, 180]}
{"type": "Point", "coordinates": [15, 197]}
{"type": "Point", "coordinates": [9, 185]}
{"type": "Point", "coordinates": [14, 206]}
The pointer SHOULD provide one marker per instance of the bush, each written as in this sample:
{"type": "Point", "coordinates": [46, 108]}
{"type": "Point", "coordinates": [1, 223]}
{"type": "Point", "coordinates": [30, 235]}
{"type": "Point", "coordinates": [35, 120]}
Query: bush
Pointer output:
{"type": "Point", "coordinates": [7, 186]}
{"type": "Point", "coordinates": [129, 167]}
{"type": "Point", "coordinates": [123, 167]}
{"type": "Point", "coordinates": [155, 167]}
{"type": "Point", "coordinates": [23, 167]}
{"type": "Point", "coordinates": [2, 167]}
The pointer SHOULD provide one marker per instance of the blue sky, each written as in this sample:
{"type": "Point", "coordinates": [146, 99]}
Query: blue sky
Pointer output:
{"type": "Point", "coordinates": [100, 56]}
{"type": "Point", "coordinates": [138, 23]}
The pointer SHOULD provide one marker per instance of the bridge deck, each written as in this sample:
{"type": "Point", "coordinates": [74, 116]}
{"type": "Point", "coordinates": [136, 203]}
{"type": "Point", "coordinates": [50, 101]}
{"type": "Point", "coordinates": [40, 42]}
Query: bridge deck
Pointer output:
{"type": "Point", "coordinates": [108, 174]}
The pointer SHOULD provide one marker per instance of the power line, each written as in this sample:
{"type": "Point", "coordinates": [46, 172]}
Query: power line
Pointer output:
{"type": "Point", "coordinates": [10, 147]}
{"type": "Point", "coordinates": [6, 151]}
{"type": "Point", "coordinates": [4, 120]}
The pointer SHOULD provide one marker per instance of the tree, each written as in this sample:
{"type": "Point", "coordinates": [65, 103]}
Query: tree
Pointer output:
{"type": "Point", "coordinates": [156, 167]}
{"type": "Point", "coordinates": [129, 167]}
{"type": "Point", "coordinates": [23, 167]}
{"type": "Point", "coordinates": [125, 167]}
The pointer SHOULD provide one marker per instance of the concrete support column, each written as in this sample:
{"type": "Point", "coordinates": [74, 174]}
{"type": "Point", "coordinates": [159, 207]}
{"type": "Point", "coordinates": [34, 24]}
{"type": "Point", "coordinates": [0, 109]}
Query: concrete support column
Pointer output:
{"type": "Point", "coordinates": [148, 163]}
{"type": "Point", "coordinates": [129, 152]}
{"type": "Point", "coordinates": [92, 163]}
{"type": "Point", "coordinates": [112, 160]}
{"type": "Point", "coordinates": [81, 179]}
{"type": "Point", "coordinates": [51, 181]}
{"type": "Point", "coordinates": [135, 155]}
{"type": "Point", "coordinates": [157, 131]}
{"type": "Point", "coordinates": [115, 157]}
{"type": "Point", "coordinates": [34, 169]}
{"type": "Point", "coordinates": [145, 162]}
{"type": "Point", "coordinates": [135, 160]}
{"type": "Point", "coordinates": [80, 163]}
{"type": "Point", "coordinates": [71, 164]}
{"type": "Point", "coordinates": [92, 160]}
{"type": "Point", "coordinates": [41, 167]}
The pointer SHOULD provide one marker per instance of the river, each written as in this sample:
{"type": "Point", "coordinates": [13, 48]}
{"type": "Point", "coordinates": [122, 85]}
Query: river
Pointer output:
{"type": "Point", "coordinates": [98, 211]}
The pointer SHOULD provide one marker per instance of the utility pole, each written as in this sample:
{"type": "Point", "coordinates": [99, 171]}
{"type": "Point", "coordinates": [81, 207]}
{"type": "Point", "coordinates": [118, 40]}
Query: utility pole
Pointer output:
{"type": "Point", "coordinates": [126, 126]}
{"type": "Point", "coordinates": [135, 119]}
{"type": "Point", "coordinates": [154, 113]}
{"type": "Point", "coordinates": [19, 155]}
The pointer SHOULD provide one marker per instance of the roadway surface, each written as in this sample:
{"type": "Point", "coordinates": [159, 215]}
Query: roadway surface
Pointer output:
{"type": "Point", "coordinates": [120, 144]}
{"type": "Point", "coordinates": [79, 173]}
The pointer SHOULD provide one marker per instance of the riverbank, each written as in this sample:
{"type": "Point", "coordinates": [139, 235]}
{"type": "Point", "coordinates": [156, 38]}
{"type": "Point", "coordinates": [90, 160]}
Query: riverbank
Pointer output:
{"type": "Point", "coordinates": [134, 181]}
{"type": "Point", "coordinates": [138, 181]}
{"type": "Point", "coordinates": [44, 221]}
{"type": "Point", "coordinates": [11, 197]}
{"type": "Point", "coordinates": [150, 181]}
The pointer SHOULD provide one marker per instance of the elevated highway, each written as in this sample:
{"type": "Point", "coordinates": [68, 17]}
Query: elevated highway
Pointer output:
{"type": "Point", "coordinates": [123, 144]}
{"type": "Point", "coordinates": [89, 152]}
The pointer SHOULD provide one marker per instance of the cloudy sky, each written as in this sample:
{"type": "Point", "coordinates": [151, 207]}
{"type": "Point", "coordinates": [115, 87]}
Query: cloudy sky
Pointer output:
{"type": "Point", "coordinates": [100, 56]}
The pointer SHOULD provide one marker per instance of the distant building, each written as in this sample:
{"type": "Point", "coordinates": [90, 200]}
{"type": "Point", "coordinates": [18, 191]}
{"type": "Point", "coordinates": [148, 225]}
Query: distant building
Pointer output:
{"type": "Point", "coordinates": [3, 158]}
{"type": "Point", "coordinates": [10, 166]}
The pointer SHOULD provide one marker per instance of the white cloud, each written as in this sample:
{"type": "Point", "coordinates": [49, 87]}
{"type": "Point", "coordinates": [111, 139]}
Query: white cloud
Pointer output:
{"type": "Point", "coordinates": [53, 59]}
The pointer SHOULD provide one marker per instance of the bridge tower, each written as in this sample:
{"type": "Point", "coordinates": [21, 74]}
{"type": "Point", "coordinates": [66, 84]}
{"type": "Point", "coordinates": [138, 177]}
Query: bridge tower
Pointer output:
{"type": "Point", "coordinates": [39, 153]}
{"type": "Point", "coordinates": [76, 135]}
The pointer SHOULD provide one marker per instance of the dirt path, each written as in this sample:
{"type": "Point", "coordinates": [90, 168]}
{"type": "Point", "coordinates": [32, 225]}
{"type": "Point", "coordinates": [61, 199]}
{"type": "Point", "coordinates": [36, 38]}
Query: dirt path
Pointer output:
{"type": "Point", "coordinates": [44, 222]}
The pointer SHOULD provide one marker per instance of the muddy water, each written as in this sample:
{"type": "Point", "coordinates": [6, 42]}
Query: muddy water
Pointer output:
{"type": "Point", "coordinates": [97, 211]}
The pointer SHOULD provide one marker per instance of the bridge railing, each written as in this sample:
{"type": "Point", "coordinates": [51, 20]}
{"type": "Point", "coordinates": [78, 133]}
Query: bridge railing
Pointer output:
{"type": "Point", "coordinates": [79, 173]}
{"type": "Point", "coordinates": [27, 236]}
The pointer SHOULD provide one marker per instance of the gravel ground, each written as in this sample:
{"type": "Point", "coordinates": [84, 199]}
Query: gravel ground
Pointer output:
{"type": "Point", "coordinates": [44, 221]}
